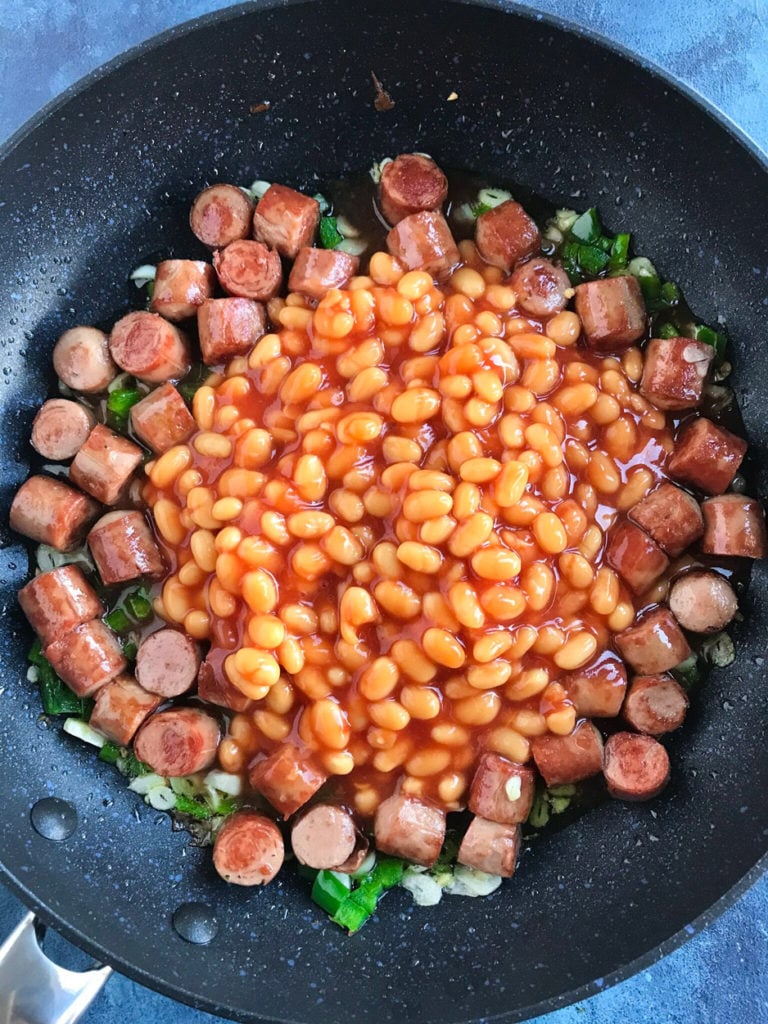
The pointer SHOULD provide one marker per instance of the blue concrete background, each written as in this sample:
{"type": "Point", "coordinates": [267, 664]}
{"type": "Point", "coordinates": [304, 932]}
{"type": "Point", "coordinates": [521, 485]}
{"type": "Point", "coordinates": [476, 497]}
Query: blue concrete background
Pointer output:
{"type": "Point", "coordinates": [719, 49]}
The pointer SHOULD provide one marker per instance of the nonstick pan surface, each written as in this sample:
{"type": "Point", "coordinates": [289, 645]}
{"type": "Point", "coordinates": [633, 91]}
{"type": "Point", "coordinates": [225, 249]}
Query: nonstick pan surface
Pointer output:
{"type": "Point", "coordinates": [102, 183]}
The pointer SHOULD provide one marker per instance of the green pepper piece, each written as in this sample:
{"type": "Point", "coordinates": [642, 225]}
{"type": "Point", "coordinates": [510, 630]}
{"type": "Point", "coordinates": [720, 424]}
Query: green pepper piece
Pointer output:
{"type": "Point", "coordinates": [670, 294]}
{"type": "Point", "coordinates": [117, 620]}
{"type": "Point", "coordinates": [351, 915]}
{"type": "Point", "coordinates": [119, 402]}
{"type": "Point", "coordinates": [56, 696]}
{"type": "Point", "coordinates": [708, 336]}
{"type": "Point", "coordinates": [619, 253]}
{"type": "Point", "coordinates": [109, 752]}
{"type": "Point", "coordinates": [387, 873]}
{"type": "Point", "coordinates": [329, 892]}
{"type": "Point", "coordinates": [667, 330]}
{"type": "Point", "coordinates": [330, 236]}
{"type": "Point", "coordinates": [131, 766]}
{"type": "Point", "coordinates": [196, 809]}
{"type": "Point", "coordinates": [586, 228]}
{"type": "Point", "coordinates": [138, 604]}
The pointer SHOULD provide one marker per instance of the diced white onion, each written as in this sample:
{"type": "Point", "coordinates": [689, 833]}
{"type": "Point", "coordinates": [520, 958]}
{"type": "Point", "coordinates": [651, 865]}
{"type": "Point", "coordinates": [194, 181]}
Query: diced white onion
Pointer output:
{"type": "Point", "coordinates": [346, 227]}
{"type": "Point", "coordinates": [353, 246]}
{"type": "Point", "coordinates": [342, 877]}
{"type": "Point", "coordinates": [493, 196]}
{"type": "Point", "coordinates": [258, 188]}
{"type": "Point", "coordinates": [82, 731]}
{"type": "Point", "coordinates": [143, 275]}
{"type": "Point", "coordinates": [368, 865]}
{"type": "Point", "coordinates": [470, 882]}
{"type": "Point", "coordinates": [119, 382]}
{"type": "Point", "coordinates": [48, 558]}
{"type": "Point", "coordinates": [323, 203]}
{"type": "Point", "coordinates": [185, 786]}
{"type": "Point", "coordinates": [224, 782]}
{"type": "Point", "coordinates": [144, 783]}
{"type": "Point", "coordinates": [464, 213]}
{"type": "Point", "coordinates": [641, 266]}
{"type": "Point", "coordinates": [33, 674]}
{"type": "Point", "coordinates": [513, 788]}
{"type": "Point", "coordinates": [377, 168]}
{"type": "Point", "coordinates": [162, 798]}
{"type": "Point", "coordinates": [553, 233]}
{"type": "Point", "coordinates": [565, 219]}
{"type": "Point", "coordinates": [425, 890]}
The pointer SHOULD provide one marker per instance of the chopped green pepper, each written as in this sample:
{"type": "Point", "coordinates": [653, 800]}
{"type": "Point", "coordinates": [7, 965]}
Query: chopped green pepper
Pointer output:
{"type": "Point", "coordinates": [194, 380]}
{"type": "Point", "coordinates": [119, 402]}
{"type": "Point", "coordinates": [138, 604]}
{"type": "Point", "coordinates": [360, 904]}
{"type": "Point", "coordinates": [110, 752]}
{"type": "Point", "coordinates": [716, 339]}
{"type": "Point", "coordinates": [667, 330]}
{"type": "Point", "coordinates": [619, 253]}
{"type": "Point", "coordinates": [587, 228]}
{"type": "Point", "coordinates": [131, 766]}
{"type": "Point", "coordinates": [583, 261]}
{"type": "Point", "coordinates": [478, 209]}
{"type": "Point", "coordinates": [117, 620]}
{"type": "Point", "coordinates": [688, 672]}
{"type": "Point", "coordinates": [351, 915]}
{"type": "Point", "coordinates": [329, 892]}
{"type": "Point", "coordinates": [330, 236]}
{"type": "Point", "coordinates": [55, 695]}
{"type": "Point", "coordinates": [195, 808]}
{"type": "Point", "coordinates": [130, 649]}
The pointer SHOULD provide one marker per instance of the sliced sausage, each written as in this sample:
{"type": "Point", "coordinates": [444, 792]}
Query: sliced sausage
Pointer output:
{"type": "Point", "coordinates": [82, 361]}
{"type": "Point", "coordinates": [121, 707]}
{"type": "Point", "coordinates": [635, 556]}
{"type": "Point", "coordinates": [423, 241]}
{"type": "Point", "coordinates": [655, 644]}
{"type": "Point", "coordinates": [180, 287]}
{"type": "Point", "coordinates": [285, 220]}
{"type": "Point", "coordinates": [501, 790]}
{"type": "Point", "coordinates": [221, 214]}
{"type": "Point", "coordinates": [706, 456]}
{"type": "Point", "coordinates": [490, 846]}
{"type": "Point", "coordinates": [57, 601]}
{"type": "Point", "coordinates": [150, 348]}
{"type": "Point", "coordinates": [410, 183]}
{"type": "Point", "coordinates": [316, 271]}
{"type": "Point", "coordinates": [655, 705]}
{"type": "Point", "coordinates": [612, 312]}
{"type": "Point", "coordinates": [674, 372]}
{"type": "Point", "coordinates": [177, 742]}
{"type": "Point", "coordinates": [87, 657]}
{"type": "Point", "coordinates": [542, 289]}
{"type": "Point", "coordinates": [408, 828]}
{"type": "Point", "coordinates": [287, 778]}
{"type": "Point", "coordinates": [598, 689]}
{"type": "Point", "coordinates": [249, 849]}
{"type": "Point", "coordinates": [249, 270]}
{"type": "Point", "coordinates": [105, 464]}
{"type": "Point", "coordinates": [702, 601]}
{"type": "Point", "coordinates": [735, 526]}
{"type": "Point", "coordinates": [60, 428]}
{"type": "Point", "coordinates": [566, 759]}
{"type": "Point", "coordinates": [229, 327]}
{"type": "Point", "coordinates": [162, 419]}
{"type": "Point", "coordinates": [636, 767]}
{"type": "Point", "coordinates": [505, 235]}
{"type": "Point", "coordinates": [324, 836]}
{"type": "Point", "coordinates": [671, 517]}
{"type": "Point", "coordinates": [214, 687]}
{"type": "Point", "coordinates": [357, 858]}
{"type": "Point", "coordinates": [167, 663]}
{"type": "Point", "coordinates": [123, 548]}
{"type": "Point", "coordinates": [50, 512]}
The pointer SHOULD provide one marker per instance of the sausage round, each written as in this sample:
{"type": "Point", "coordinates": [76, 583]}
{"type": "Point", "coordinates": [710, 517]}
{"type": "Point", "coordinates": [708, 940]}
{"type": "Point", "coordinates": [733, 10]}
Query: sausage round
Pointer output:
{"type": "Point", "coordinates": [123, 547]}
{"type": "Point", "coordinates": [671, 517]}
{"type": "Point", "coordinates": [316, 271]}
{"type": "Point", "coordinates": [249, 270]}
{"type": "Point", "coordinates": [409, 183]}
{"type": "Point", "coordinates": [654, 644]}
{"type": "Point", "coordinates": [221, 214]}
{"type": "Point", "coordinates": [50, 512]}
{"type": "Point", "coordinates": [406, 827]}
{"type": "Point", "coordinates": [229, 327]}
{"type": "Point", "coordinates": [162, 419]}
{"type": "Point", "coordinates": [501, 790]}
{"type": "Point", "coordinates": [287, 778]}
{"type": "Point", "coordinates": [636, 767]}
{"type": "Point", "coordinates": [180, 287]}
{"type": "Point", "coordinates": [60, 428]}
{"type": "Point", "coordinates": [490, 846]}
{"type": "Point", "coordinates": [541, 287]}
{"type": "Point", "coordinates": [150, 348]}
{"type": "Point", "coordinates": [167, 663]}
{"type": "Point", "coordinates": [565, 759]}
{"type": "Point", "coordinates": [57, 601]}
{"type": "Point", "coordinates": [505, 235]}
{"type": "Point", "coordinates": [612, 312]}
{"type": "Point", "coordinates": [285, 220]}
{"type": "Point", "coordinates": [105, 464]}
{"type": "Point", "coordinates": [87, 657]}
{"type": "Point", "coordinates": [635, 556]}
{"type": "Point", "coordinates": [423, 241]}
{"type": "Point", "coordinates": [734, 525]}
{"type": "Point", "coordinates": [702, 601]}
{"type": "Point", "coordinates": [121, 706]}
{"type": "Point", "coordinates": [597, 690]}
{"type": "Point", "coordinates": [324, 837]}
{"type": "Point", "coordinates": [179, 741]}
{"type": "Point", "coordinates": [82, 361]}
{"type": "Point", "coordinates": [655, 705]}
{"type": "Point", "coordinates": [249, 849]}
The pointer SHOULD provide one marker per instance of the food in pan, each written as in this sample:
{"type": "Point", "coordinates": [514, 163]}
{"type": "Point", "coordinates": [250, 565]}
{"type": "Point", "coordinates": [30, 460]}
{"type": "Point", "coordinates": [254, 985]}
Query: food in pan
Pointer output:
{"type": "Point", "coordinates": [364, 529]}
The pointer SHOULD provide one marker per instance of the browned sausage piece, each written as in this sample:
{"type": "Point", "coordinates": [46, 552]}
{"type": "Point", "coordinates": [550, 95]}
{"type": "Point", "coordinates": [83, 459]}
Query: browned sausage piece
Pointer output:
{"type": "Point", "coordinates": [50, 512]}
{"type": "Point", "coordinates": [671, 517]}
{"type": "Point", "coordinates": [636, 767]}
{"type": "Point", "coordinates": [121, 707]}
{"type": "Point", "coordinates": [324, 836]}
{"type": "Point", "coordinates": [249, 849]}
{"type": "Point", "coordinates": [505, 235]}
{"type": "Point", "coordinates": [105, 464]}
{"type": "Point", "coordinates": [214, 687]}
{"type": "Point", "coordinates": [357, 858]}
{"type": "Point", "coordinates": [501, 791]}
{"type": "Point", "coordinates": [60, 428]}
{"type": "Point", "coordinates": [180, 287]}
{"type": "Point", "coordinates": [177, 742]}
{"type": "Point", "coordinates": [406, 827]}
{"type": "Point", "coordinates": [57, 601]}
{"type": "Point", "coordinates": [655, 705]}
{"type": "Point", "coordinates": [123, 548]}
{"type": "Point", "coordinates": [542, 289]}
{"type": "Point", "coordinates": [654, 644]}
{"type": "Point", "coordinates": [674, 372]}
{"type": "Point", "coordinates": [249, 270]}
{"type": "Point", "coordinates": [287, 778]}
{"type": "Point", "coordinates": [612, 312]}
{"type": "Point", "coordinates": [221, 214]}
{"type": "Point", "coordinates": [167, 663]}
{"type": "Point", "coordinates": [316, 271]}
{"type": "Point", "coordinates": [87, 657]}
{"type": "Point", "coordinates": [162, 419]}
{"type": "Point", "coordinates": [490, 846]}
{"type": "Point", "coordinates": [635, 557]}
{"type": "Point", "coordinates": [229, 327]}
{"type": "Point", "coordinates": [423, 241]}
{"type": "Point", "coordinates": [565, 759]}
{"type": "Point", "coordinates": [702, 601]}
{"type": "Point", "coordinates": [82, 361]}
{"type": "Point", "coordinates": [706, 456]}
{"type": "Point", "coordinates": [410, 183]}
{"type": "Point", "coordinates": [285, 220]}
{"type": "Point", "coordinates": [735, 526]}
{"type": "Point", "coordinates": [598, 689]}
{"type": "Point", "coordinates": [150, 348]}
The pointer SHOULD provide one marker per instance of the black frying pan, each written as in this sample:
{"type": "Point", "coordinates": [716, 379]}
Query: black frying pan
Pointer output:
{"type": "Point", "coordinates": [104, 182]}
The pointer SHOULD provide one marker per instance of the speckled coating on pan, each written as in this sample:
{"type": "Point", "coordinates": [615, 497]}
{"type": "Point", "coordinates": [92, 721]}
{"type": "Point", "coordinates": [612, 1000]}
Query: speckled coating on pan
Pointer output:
{"type": "Point", "coordinates": [102, 184]}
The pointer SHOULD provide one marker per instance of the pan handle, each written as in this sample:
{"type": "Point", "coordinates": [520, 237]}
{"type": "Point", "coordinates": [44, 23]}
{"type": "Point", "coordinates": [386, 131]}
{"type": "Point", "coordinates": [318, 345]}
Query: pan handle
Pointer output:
{"type": "Point", "coordinates": [34, 990]}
